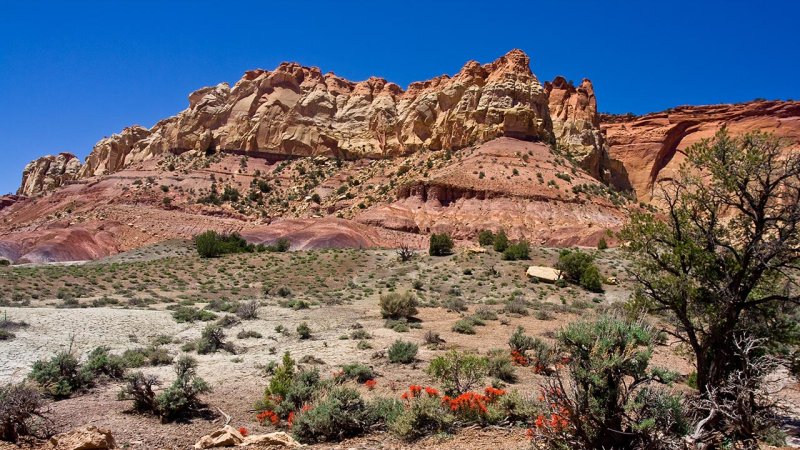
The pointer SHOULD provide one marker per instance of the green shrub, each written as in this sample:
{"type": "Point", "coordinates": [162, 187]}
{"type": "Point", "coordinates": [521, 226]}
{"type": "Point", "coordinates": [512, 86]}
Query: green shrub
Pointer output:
{"type": "Point", "coordinates": [212, 339]}
{"type": "Point", "coordinates": [61, 375]}
{"type": "Point", "coordinates": [247, 334]}
{"type": "Point", "coordinates": [440, 245]}
{"type": "Point", "coordinates": [464, 326]}
{"type": "Point", "coordinates": [458, 372]}
{"type": "Point", "coordinates": [591, 279]}
{"type": "Point", "coordinates": [612, 399]}
{"type": "Point", "coordinates": [518, 251]}
{"type": "Point", "coordinates": [402, 352]}
{"type": "Point", "coordinates": [279, 246]}
{"type": "Point", "coordinates": [500, 366]}
{"type": "Point", "coordinates": [395, 305]}
{"type": "Point", "coordinates": [101, 362]}
{"type": "Point", "coordinates": [281, 380]}
{"type": "Point", "coordinates": [500, 243]}
{"type": "Point", "coordinates": [384, 411]}
{"type": "Point", "coordinates": [423, 417]}
{"type": "Point", "coordinates": [358, 371]}
{"type": "Point", "coordinates": [304, 331]}
{"type": "Point", "coordinates": [184, 314]}
{"type": "Point", "coordinates": [212, 244]}
{"type": "Point", "coordinates": [602, 244]}
{"type": "Point", "coordinates": [340, 414]}
{"type": "Point", "coordinates": [486, 237]}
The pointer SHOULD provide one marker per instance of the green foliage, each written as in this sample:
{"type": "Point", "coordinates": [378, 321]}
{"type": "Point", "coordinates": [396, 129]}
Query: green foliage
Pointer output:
{"type": "Point", "coordinates": [212, 339]}
{"type": "Point", "coordinates": [61, 375]}
{"type": "Point", "coordinates": [212, 244]}
{"type": "Point", "coordinates": [602, 244]}
{"type": "Point", "coordinates": [517, 251]}
{"type": "Point", "coordinates": [402, 352]}
{"type": "Point", "coordinates": [459, 372]}
{"type": "Point", "coordinates": [464, 326]}
{"type": "Point", "coordinates": [486, 237]}
{"type": "Point", "coordinates": [395, 305]}
{"type": "Point", "coordinates": [499, 365]}
{"type": "Point", "coordinates": [101, 362]}
{"type": "Point", "coordinates": [611, 401]}
{"type": "Point", "coordinates": [358, 371]}
{"type": "Point", "coordinates": [183, 314]}
{"type": "Point", "coordinates": [440, 245]}
{"type": "Point", "coordinates": [281, 380]}
{"type": "Point", "coordinates": [500, 243]}
{"type": "Point", "coordinates": [579, 268]}
{"type": "Point", "coordinates": [423, 417]}
{"type": "Point", "coordinates": [304, 331]}
{"type": "Point", "coordinates": [340, 414]}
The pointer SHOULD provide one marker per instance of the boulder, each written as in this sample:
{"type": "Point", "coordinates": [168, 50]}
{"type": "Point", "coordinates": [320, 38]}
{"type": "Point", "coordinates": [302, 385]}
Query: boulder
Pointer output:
{"type": "Point", "coordinates": [542, 273]}
{"type": "Point", "coordinates": [85, 438]}
{"type": "Point", "coordinates": [224, 437]}
{"type": "Point", "coordinates": [277, 439]}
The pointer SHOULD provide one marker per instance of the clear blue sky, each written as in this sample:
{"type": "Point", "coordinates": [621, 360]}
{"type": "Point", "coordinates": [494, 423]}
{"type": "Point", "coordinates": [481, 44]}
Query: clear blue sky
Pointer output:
{"type": "Point", "coordinates": [74, 72]}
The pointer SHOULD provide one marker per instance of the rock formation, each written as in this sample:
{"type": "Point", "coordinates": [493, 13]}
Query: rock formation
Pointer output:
{"type": "Point", "coordinates": [48, 173]}
{"type": "Point", "coordinates": [650, 147]}
{"type": "Point", "coordinates": [576, 125]}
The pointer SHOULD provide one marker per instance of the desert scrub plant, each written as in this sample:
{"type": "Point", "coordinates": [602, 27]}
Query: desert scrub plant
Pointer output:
{"type": "Point", "coordinates": [458, 372]}
{"type": "Point", "coordinates": [440, 245]}
{"type": "Point", "coordinates": [61, 375]}
{"type": "Point", "coordinates": [357, 371]}
{"type": "Point", "coordinates": [179, 400]}
{"type": "Point", "coordinates": [521, 344]}
{"type": "Point", "coordinates": [423, 416]}
{"type": "Point", "coordinates": [395, 305]}
{"type": "Point", "coordinates": [20, 411]}
{"type": "Point", "coordinates": [102, 362]}
{"type": "Point", "coordinates": [486, 237]}
{"type": "Point", "coordinates": [500, 243]}
{"type": "Point", "coordinates": [606, 398]}
{"type": "Point", "coordinates": [517, 251]}
{"type": "Point", "coordinates": [248, 334]}
{"type": "Point", "coordinates": [248, 310]}
{"type": "Point", "coordinates": [304, 331]}
{"type": "Point", "coordinates": [464, 326]}
{"type": "Point", "coordinates": [339, 414]}
{"type": "Point", "coordinates": [579, 268]}
{"type": "Point", "coordinates": [402, 352]}
{"type": "Point", "coordinates": [212, 244]}
{"type": "Point", "coordinates": [212, 339]}
{"type": "Point", "coordinates": [190, 314]}
{"type": "Point", "coordinates": [500, 365]}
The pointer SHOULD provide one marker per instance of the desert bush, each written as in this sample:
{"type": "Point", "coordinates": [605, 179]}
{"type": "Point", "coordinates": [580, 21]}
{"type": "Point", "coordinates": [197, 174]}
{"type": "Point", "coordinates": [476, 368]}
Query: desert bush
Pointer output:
{"type": "Point", "coordinates": [402, 352]}
{"type": "Point", "coordinates": [212, 339]}
{"type": "Point", "coordinates": [340, 414]}
{"type": "Point", "coordinates": [102, 362]}
{"type": "Point", "coordinates": [521, 344]}
{"type": "Point", "coordinates": [142, 356]}
{"type": "Point", "coordinates": [455, 304]}
{"type": "Point", "coordinates": [500, 243]}
{"type": "Point", "coordinates": [6, 335]}
{"type": "Point", "coordinates": [432, 338]}
{"type": "Point", "coordinates": [212, 244]}
{"type": "Point", "coordinates": [395, 305]}
{"type": "Point", "coordinates": [248, 310]}
{"type": "Point", "coordinates": [423, 416]}
{"type": "Point", "coordinates": [607, 399]}
{"type": "Point", "coordinates": [279, 246]}
{"type": "Point", "coordinates": [486, 237]}
{"type": "Point", "coordinates": [180, 399]}
{"type": "Point", "coordinates": [500, 366]}
{"type": "Point", "coordinates": [440, 245]}
{"type": "Point", "coordinates": [458, 372]}
{"type": "Point", "coordinates": [247, 334]}
{"type": "Point", "coordinates": [61, 375]}
{"type": "Point", "coordinates": [20, 410]}
{"type": "Point", "coordinates": [190, 314]}
{"type": "Point", "coordinates": [464, 326]}
{"type": "Point", "coordinates": [516, 306]}
{"type": "Point", "coordinates": [358, 371]}
{"type": "Point", "coordinates": [484, 312]}
{"type": "Point", "coordinates": [384, 411]}
{"type": "Point", "coordinates": [228, 321]}
{"type": "Point", "coordinates": [360, 334]}
{"type": "Point", "coordinates": [602, 244]}
{"type": "Point", "coordinates": [304, 331]}
{"type": "Point", "coordinates": [517, 251]}
{"type": "Point", "coordinates": [591, 279]}
{"type": "Point", "coordinates": [284, 292]}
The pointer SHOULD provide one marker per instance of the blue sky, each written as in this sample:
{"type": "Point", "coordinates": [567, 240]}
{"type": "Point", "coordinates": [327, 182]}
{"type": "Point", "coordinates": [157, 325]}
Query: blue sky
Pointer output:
{"type": "Point", "coordinates": [74, 72]}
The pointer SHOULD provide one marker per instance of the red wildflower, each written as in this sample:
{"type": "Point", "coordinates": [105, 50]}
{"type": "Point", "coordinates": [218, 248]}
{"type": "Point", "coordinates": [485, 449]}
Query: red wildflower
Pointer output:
{"type": "Point", "coordinates": [306, 407]}
{"type": "Point", "coordinates": [370, 384]}
{"type": "Point", "coordinates": [469, 402]}
{"type": "Point", "coordinates": [243, 431]}
{"type": "Point", "coordinates": [493, 393]}
{"type": "Point", "coordinates": [529, 433]}
{"type": "Point", "coordinates": [404, 396]}
{"type": "Point", "coordinates": [268, 415]}
{"type": "Point", "coordinates": [431, 392]}
{"type": "Point", "coordinates": [290, 419]}
{"type": "Point", "coordinates": [415, 390]}
{"type": "Point", "coordinates": [519, 359]}
{"type": "Point", "coordinates": [540, 421]}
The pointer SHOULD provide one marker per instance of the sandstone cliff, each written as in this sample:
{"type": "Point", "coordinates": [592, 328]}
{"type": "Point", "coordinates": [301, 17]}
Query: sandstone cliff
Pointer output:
{"type": "Point", "coordinates": [298, 111]}
{"type": "Point", "coordinates": [650, 147]}
{"type": "Point", "coordinates": [48, 173]}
